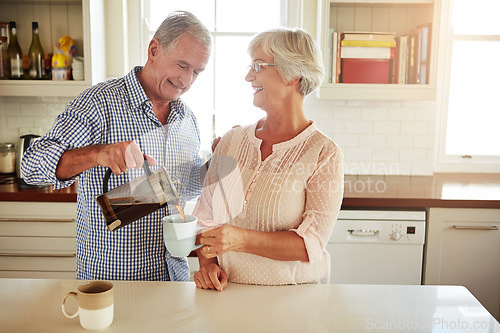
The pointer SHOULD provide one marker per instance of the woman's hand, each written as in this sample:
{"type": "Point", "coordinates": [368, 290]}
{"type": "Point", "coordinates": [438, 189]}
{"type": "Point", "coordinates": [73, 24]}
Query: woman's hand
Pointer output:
{"type": "Point", "coordinates": [211, 276]}
{"type": "Point", "coordinates": [221, 240]}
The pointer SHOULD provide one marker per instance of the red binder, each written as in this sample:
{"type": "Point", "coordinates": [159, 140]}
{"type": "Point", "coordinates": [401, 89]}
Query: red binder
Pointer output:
{"type": "Point", "coordinates": [365, 70]}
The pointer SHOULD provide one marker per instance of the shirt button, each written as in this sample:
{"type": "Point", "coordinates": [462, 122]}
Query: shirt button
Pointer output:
{"type": "Point", "coordinates": [258, 171]}
{"type": "Point", "coordinates": [249, 190]}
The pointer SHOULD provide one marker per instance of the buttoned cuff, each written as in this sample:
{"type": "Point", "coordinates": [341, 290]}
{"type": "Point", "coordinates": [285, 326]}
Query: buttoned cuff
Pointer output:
{"type": "Point", "coordinates": [312, 240]}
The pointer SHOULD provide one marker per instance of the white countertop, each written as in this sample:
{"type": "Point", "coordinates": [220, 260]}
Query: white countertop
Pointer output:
{"type": "Point", "coordinates": [35, 306]}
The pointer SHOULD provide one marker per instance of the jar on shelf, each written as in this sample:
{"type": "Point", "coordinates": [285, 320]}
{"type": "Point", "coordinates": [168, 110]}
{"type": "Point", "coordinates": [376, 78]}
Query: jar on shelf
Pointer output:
{"type": "Point", "coordinates": [7, 158]}
{"type": "Point", "coordinates": [4, 30]}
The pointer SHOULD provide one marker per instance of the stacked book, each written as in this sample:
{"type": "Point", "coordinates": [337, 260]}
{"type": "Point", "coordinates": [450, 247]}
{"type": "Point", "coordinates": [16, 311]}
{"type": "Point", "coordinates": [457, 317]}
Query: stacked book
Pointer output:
{"type": "Point", "coordinates": [418, 55]}
{"type": "Point", "coordinates": [380, 57]}
{"type": "Point", "coordinates": [366, 57]}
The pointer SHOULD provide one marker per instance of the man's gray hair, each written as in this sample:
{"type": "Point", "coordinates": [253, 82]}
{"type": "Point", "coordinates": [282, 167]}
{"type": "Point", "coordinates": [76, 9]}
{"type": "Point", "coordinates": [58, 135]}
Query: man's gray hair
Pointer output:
{"type": "Point", "coordinates": [176, 24]}
{"type": "Point", "coordinates": [296, 55]}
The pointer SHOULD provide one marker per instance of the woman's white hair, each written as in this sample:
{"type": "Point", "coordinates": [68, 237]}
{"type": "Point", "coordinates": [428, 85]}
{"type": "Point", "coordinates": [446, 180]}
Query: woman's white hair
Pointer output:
{"type": "Point", "coordinates": [296, 55]}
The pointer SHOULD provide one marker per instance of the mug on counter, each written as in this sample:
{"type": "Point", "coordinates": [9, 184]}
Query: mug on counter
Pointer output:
{"type": "Point", "coordinates": [95, 304]}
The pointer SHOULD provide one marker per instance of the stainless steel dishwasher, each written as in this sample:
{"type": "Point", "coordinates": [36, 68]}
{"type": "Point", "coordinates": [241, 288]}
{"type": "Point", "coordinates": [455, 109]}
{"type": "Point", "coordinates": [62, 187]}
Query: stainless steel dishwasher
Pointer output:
{"type": "Point", "coordinates": [377, 247]}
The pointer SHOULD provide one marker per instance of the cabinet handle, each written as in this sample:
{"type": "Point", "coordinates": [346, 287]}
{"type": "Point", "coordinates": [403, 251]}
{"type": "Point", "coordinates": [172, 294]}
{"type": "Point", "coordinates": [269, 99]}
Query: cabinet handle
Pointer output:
{"type": "Point", "coordinates": [38, 255]}
{"type": "Point", "coordinates": [34, 219]}
{"type": "Point", "coordinates": [475, 227]}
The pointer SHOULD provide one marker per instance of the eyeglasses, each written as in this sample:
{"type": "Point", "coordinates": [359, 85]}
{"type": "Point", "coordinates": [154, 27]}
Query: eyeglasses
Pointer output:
{"type": "Point", "coordinates": [257, 66]}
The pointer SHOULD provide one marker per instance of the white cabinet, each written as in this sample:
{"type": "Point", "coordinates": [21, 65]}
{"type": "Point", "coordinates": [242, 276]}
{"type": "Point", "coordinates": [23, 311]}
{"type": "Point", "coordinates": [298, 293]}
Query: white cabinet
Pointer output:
{"type": "Point", "coordinates": [37, 240]}
{"type": "Point", "coordinates": [463, 248]}
{"type": "Point", "coordinates": [81, 19]}
{"type": "Point", "coordinates": [399, 16]}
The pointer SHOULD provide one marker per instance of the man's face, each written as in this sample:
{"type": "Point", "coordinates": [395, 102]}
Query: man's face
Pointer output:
{"type": "Point", "coordinates": [175, 71]}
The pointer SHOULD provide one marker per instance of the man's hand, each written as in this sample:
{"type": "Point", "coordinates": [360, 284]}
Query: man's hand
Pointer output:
{"type": "Point", "coordinates": [121, 156]}
{"type": "Point", "coordinates": [215, 143]}
{"type": "Point", "coordinates": [118, 157]}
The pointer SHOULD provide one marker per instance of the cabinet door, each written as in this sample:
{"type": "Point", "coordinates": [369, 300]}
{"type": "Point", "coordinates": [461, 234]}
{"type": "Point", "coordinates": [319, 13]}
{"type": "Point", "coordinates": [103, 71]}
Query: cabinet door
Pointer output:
{"type": "Point", "coordinates": [463, 248]}
{"type": "Point", "coordinates": [37, 239]}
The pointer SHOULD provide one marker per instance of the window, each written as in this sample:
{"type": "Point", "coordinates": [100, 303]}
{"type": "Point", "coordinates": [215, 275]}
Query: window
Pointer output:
{"type": "Point", "coordinates": [470, 139]}
{"type": "Point", "coordinates": [220, 97]}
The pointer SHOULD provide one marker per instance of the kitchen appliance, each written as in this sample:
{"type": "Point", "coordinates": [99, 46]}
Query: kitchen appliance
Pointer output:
{"type": "Point", "coordinates": [24, 142]}
{"type": "Point", "coordinates": [377, 247]}
{"type": "Point", "coordinates": [137, 198]}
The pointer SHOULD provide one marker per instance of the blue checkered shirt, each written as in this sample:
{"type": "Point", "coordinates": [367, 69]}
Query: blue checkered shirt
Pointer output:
{"type": "Point", "coordinates": [109, 112]}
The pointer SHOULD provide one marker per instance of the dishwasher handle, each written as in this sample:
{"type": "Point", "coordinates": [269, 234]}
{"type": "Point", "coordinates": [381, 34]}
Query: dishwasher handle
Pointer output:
{"type": "Point", "coordinates": [362, 232]}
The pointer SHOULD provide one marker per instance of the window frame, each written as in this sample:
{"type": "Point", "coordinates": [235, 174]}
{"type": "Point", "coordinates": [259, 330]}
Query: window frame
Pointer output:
{"type": "Point", "coordinates": [444, 162]}
{"type": "Point", "coordinates": [291, 16]}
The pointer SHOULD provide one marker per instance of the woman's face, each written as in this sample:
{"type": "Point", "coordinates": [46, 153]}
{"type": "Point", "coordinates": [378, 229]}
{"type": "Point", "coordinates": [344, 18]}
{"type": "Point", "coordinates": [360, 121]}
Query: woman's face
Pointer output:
{"type": "Point", "coordinates": [269, 87]}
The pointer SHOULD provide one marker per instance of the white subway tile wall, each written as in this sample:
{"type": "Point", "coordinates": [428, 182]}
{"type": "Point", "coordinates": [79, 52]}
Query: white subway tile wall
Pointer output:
{"type": "Point", "coordinates": [377, 137]}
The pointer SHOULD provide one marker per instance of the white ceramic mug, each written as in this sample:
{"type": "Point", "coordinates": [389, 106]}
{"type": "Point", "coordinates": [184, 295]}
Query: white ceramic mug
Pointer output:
{"type": "Point", "coordinates": [180, 236]}
{"type": "Point", "coordinates": [95, 304]}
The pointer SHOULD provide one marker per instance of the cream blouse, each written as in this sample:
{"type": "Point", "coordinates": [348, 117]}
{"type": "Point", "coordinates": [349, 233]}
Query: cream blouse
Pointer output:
{"type": "Point", "coordinates": [298, 187]}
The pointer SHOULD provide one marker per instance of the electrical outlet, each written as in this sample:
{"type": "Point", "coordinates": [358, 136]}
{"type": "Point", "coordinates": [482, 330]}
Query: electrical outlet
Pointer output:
{"type": "Point", "coordinates": [30, 130]}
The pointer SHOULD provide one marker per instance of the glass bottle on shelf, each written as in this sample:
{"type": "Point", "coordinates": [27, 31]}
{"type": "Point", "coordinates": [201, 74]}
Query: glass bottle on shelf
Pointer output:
{"type": "Point", "coordinates": [4, 44]}
{"type": "Point", "coordinates": [36, 55]}
{"type": "Point", "coordinates": [15, 54]}
{"type": "Point", "coordinates": [4, 68]}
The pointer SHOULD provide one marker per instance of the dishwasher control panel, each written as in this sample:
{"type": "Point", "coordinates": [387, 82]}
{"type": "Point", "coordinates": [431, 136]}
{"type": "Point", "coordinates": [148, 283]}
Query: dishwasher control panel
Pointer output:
{"type": "Point", "coordinates": [380, 226]}
{"type": "Point", "coordinates": [405, 229]}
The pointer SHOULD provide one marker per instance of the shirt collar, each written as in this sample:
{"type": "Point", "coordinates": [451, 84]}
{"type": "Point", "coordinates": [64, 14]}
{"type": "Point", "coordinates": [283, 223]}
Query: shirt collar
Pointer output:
{"type": "Point", "coordinates": [302, 136]}
{"type": "Point", "coordinates": [134, 88]}
{"type": "Point", "coordinates": [177, 110]}
{"type": "Point", "coordinates": [138, 96]}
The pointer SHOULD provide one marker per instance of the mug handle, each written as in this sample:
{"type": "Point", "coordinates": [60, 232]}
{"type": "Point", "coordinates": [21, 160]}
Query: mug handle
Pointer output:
{"type": "Point", "coordinates": [71, 293]}
{"type": "Point", "coordinates": [198, 228]}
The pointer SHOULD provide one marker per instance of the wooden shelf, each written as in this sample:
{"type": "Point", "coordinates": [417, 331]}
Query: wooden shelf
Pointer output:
{"type": "Point", "coordinates": [42, 88]}
{"type": "Point", "coordinates": [376, 91]}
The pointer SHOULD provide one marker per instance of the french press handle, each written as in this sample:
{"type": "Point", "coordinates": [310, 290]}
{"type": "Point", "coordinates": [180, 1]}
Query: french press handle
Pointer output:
{"type": "Point", "coordinates": [108, 173]}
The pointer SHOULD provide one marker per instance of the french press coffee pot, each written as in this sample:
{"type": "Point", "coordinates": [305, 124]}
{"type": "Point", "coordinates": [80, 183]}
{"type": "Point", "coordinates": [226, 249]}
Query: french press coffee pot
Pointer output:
{"type": "Point", "coordinates": [137, 198]}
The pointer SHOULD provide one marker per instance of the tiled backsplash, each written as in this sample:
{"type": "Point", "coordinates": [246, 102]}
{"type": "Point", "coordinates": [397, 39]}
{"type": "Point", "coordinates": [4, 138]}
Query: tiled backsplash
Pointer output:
{"type": "Point", "coordinates": [18, 114]}
{"type": "Point", "coordinates": [377, 137]}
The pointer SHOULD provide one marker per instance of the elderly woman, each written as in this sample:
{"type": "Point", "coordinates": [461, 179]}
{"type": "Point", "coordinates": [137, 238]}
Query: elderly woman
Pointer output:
{"type": "Point", "coordinates": [279, 205]}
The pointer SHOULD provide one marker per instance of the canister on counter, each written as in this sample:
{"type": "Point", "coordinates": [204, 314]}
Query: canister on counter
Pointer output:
{"type": "Point", "coordinates": [7, 158]}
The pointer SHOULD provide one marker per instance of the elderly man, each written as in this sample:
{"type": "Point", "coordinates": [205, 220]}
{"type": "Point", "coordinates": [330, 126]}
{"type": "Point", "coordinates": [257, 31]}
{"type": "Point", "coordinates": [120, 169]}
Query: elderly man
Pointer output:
{"type": "Point", "coordinates": [117, 124]}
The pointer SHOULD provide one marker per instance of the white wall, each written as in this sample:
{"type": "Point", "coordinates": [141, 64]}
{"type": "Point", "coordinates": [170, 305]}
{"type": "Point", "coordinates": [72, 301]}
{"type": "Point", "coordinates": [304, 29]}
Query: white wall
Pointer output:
{"type": "Point", "coordinates": [377, 137]}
